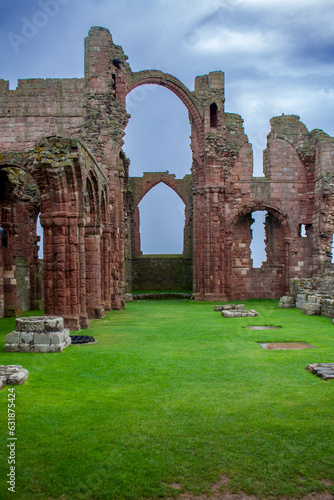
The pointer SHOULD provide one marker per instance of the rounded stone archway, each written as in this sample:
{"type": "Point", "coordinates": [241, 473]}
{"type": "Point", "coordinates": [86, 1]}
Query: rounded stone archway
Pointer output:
{"type": "Point", "coordinates": [156, 77]}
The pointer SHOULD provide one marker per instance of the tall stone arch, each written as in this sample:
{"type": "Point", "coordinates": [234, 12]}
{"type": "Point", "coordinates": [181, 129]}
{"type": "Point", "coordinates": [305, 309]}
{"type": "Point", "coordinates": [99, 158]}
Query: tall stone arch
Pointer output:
{"type": "Point", "coordinates": [19, 206]}
{"type": "Point", "coordinates": [156, 77]}
{"type": "Point", "coordinates": [71, 185]}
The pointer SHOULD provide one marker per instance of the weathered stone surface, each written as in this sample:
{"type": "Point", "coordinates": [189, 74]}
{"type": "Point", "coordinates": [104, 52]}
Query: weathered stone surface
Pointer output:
{"type": "Point", "coordinates": [315, 295]}
{"type": "Point", "coordinates": [12, 375]}
{"type": "Point", "coordinates": [323, 370]}
{"type": "Point", "coordinates": [128, 297]}
{"type": "Point", "coordinates": [312, 309]}
{"type": "Point", "coordinates": [38, 334]}
{"type": "Point", "coordinates": [237, 311]}
{"type": "Point", "coordinates": [287, 302]}
{"type": "Point", "coordinates": [218, 308]}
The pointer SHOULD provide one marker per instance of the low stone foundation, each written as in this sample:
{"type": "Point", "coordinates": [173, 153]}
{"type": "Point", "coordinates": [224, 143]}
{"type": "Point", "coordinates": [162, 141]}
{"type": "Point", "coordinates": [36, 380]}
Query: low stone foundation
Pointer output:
{"type": "Point", "coordinates": [38, 334]}
{"type": "Point", "coordinates": [236, 311]}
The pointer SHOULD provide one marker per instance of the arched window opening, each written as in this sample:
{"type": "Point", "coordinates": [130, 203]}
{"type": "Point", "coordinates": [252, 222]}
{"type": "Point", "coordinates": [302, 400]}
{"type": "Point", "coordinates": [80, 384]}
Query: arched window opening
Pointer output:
{"type": "Point", "coordinates": [40, 234]}
{"type": "Point", "coordinates": [258, 243]}
{"type": "Point", "coordinates": [161, 229]}
{"type": "Point", "coordinates": [305, 230]}
{"type": "Point", "coordinates": [213, 115]}
{"type": "Point", "coordinates": [157, 135]}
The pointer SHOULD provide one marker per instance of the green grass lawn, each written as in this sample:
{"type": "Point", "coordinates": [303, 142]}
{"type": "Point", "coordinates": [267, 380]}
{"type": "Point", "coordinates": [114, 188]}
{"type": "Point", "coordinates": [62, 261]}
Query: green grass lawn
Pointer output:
{"type": "Point", "coordinates": [173, 393]}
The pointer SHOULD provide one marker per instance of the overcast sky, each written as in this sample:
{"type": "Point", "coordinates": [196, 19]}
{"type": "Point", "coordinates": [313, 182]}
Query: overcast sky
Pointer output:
{"type": "Point", "coordinates": [277, 55]}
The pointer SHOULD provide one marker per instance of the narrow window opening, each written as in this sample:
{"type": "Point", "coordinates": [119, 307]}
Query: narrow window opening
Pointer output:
{"type": "Point", "coordinates": [258, 243]}
{"type": "Point", "coordinates": [39, 232]}
{"type": "Point", "coordinates": [302, 230]}
{"type": "Point", "coordinates": [3, 238]}
{"type": "Point", "coordinates": [213, 115]}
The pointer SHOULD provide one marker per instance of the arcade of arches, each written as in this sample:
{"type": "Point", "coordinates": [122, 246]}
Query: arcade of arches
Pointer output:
{"type": "Point", "coordinates": [61, 157]}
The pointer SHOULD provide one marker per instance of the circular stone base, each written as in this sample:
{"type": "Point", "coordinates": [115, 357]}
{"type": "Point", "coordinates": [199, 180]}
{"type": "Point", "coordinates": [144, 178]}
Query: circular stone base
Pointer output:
{"type": "Point", "coordinates": [38, 334]}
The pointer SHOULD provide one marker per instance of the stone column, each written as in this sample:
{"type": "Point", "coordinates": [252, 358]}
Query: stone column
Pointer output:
{"type": "Point", "coordinates": [48, 264]}
{"type": "Point", "coordinates": [95, 307]}
{"type": "Point", "coordinates": [198, 244]}
{"type": "Point", "coordinates": [63, 283]}
{"type": "Point", "coordinates": [83, 316]}
{"type": "Point", "coordinates": [106, 268]}
{"type": "Point", "coordinates": [287, 243]}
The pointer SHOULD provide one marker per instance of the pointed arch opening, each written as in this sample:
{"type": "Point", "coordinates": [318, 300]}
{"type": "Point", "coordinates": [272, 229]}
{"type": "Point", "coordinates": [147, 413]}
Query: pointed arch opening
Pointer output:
{"type": "Point", "coordinates": [161, 229]}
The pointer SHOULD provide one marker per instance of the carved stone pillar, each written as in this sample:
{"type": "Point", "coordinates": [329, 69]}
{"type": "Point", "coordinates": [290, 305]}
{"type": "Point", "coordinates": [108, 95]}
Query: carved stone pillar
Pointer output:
{"type": "Point", "coordinates": [95, 308]}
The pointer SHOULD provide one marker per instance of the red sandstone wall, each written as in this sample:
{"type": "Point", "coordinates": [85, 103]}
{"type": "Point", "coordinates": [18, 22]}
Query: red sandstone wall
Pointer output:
{"type": "Point", "coordinates": [86, 223]}
{"type": "Point", "coordinates": [40, 108]}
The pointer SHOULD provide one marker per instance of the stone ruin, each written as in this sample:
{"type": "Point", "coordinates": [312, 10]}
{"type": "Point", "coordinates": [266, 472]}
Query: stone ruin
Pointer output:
{"type": "Point", "coordinates": [61, 157]}
{"type": "Point", "coordinates": [314, 296]}
{"type": "Point", "coordinates": [38, 334]}
{"type": "Point", "coordinates": [323, 370]}
{"type": "Point", "coordinates": [236, 311]}
{"type": "Point", "coordinates": [12, 375]}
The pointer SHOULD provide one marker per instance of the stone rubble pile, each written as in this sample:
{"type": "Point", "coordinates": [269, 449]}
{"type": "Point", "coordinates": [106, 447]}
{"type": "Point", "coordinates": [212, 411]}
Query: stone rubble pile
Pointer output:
{"type": "Point", "coordinates": [323, 370]}
{"type": "Point", "coordinates": [12, 375]}
{"type": "Point", "coordinates": [236, 311]}
{"type": "Point", "coordinates": [38, 334]}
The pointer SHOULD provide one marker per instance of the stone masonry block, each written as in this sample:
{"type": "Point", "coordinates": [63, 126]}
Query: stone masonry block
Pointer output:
{"type": "Point", "coordinates": [42, 348]}
{"type": "Point", "coordinates": [315, 299]}
{"type": "Point", "coordinates": [18, 377]}
{"type": "Point", "coordinates": [11, 347]}
{"type": "Point", "coordinates": [26, 338]}
{"type": "Point", "coordinates": [13, 338]}
{"type": "Point", "coordinates": [312, 309]}
{"type": "Point", "coordinates": [57, 338]}
{"type": "Point", "coordinates": [42, 338]}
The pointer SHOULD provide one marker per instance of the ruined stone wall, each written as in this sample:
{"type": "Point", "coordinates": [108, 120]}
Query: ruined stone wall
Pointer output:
{"type": "Point", "coordinates": [40, 108]}
{"type": "Point", "coordinates": [161, 273]}
{"type": "Point", "coordinates": [66, 136]}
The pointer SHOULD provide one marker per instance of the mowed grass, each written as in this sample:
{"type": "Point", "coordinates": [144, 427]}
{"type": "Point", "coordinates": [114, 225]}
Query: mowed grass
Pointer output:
{"type": "Point", "coordinates": [174, 394]}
